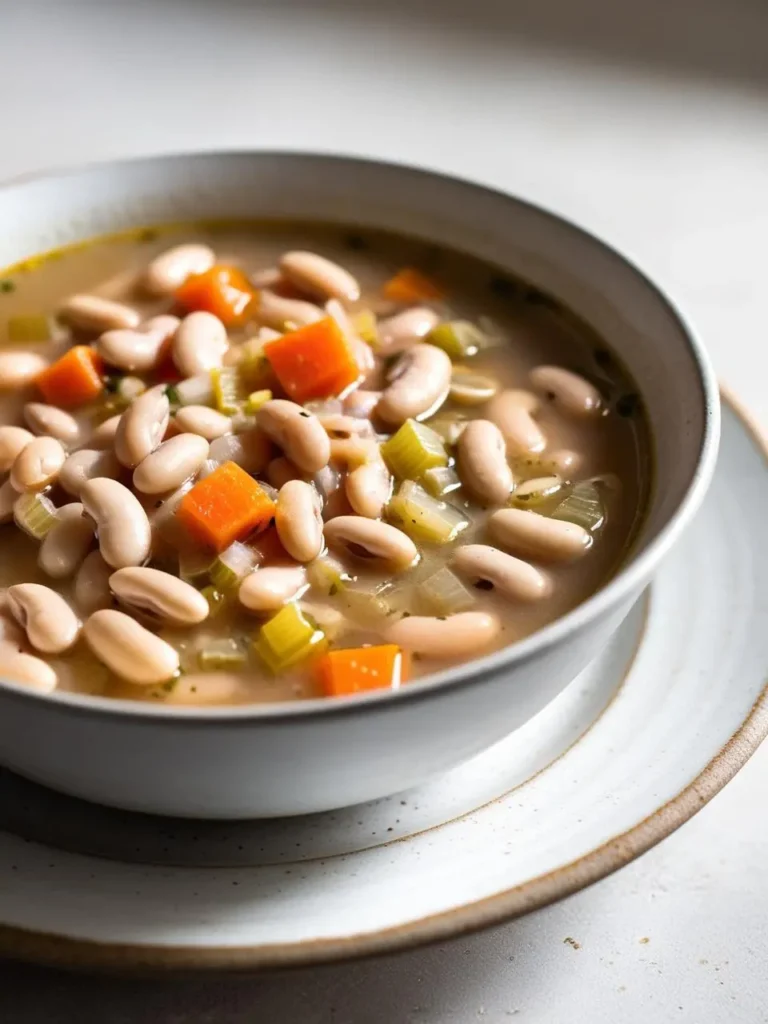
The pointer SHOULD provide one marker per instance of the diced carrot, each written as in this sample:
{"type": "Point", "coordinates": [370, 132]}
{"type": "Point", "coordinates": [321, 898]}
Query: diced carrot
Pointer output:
{"type": "Point", "coordinates": [410, 285]}
{"type": "Point", "coordinates": [313, 362]}
{"type": "Point", "coordinates": [358, 669]}
{"type": "Point", "coordinates": [224, 507]}
{"type": "Point", "coordinates": [74, 379]}
{"type": "Point", "coordinates": [224, 291]}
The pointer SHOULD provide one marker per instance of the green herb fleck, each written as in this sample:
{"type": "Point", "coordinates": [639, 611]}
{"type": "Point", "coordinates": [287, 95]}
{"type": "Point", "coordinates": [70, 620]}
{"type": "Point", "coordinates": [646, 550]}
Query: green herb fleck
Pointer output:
{"type": "Point", "coordinates": [149, 235]}
{"type": "Point", "coordinates": [7, 286]}
{"type": "Point", "coordinates": [111, 384]}
{"type": "Point", "coordinates": [172, 395]}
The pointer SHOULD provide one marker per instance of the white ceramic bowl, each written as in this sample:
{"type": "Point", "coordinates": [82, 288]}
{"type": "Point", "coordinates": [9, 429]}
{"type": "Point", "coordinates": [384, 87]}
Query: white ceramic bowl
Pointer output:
{"type": "Point", "coordinates": [317, 755]}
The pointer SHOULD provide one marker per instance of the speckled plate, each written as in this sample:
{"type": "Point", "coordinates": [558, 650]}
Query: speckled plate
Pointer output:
{"type": "Point", "coordinates": [634, 747]}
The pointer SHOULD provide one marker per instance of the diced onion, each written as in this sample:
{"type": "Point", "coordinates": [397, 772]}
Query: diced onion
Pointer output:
{"type": "Point", "coordinates": [443, 593]}
{"type": "Point", "coordinates": [583, 506]}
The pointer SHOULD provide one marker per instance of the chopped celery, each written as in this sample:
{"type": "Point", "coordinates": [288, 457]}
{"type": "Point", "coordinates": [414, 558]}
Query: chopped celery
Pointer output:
{"type": "Point", "coordinates": [34, 514]}
{"type": "Point", "coordinates": [223, 653]}
{"type": "Point", "coordinates": [441, 480]}
{"type": "Point", "coordinates": [448, 427]}
{"type": "Point", "coordinates": [470, 388]}
{"type": "Point", "coordinates": [423, 517]}
{"type": "Point", "coordinates": [327, 575]}
{"type": "Point", "coordinates": [255, 401]}
{"type": "Point", "coordinates": [216, 601]}
{"type": "Point", "coordinates": [364, 323]}
{"type": "Point", "coordinates": [195, 390]}
{"type": "Point", "coordinates": [457, 338]}
{"type": "Point", "coordinates": [229, 390]}
{"type": "Point", "coordinates": [444, 594]}
{"type": "Point", "coordinates": [28, 328]}
{"type": "Point", "coordinates": [536, 492]}
{"type": "Point", "coordinates": [232, 565]}
{"type": "Point", "coordinates": [195, 564]}
{"type": "Point", "coordinates": [288, 638]}
{"type": "Point", "coordinates": [583, 506]}
{"type": "Point", "coordinates": [414, 449]}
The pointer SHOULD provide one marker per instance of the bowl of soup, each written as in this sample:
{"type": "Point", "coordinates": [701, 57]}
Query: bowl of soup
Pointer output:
{"type": "Point", "coordinates": [320, 475]}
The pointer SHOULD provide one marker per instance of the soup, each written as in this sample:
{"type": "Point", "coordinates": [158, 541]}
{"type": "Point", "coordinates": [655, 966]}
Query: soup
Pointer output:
{"type": "Point", "coordinates": [264, 462]}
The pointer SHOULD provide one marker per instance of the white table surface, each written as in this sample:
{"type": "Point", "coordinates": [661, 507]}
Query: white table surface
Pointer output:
{"type": "Point", "coordinates": [652, 129]}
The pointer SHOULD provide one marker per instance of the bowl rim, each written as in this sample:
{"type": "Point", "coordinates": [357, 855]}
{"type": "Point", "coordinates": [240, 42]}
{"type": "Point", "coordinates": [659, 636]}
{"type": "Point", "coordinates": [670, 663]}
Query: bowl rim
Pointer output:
{"type": "Point", "coordinates": [600, 603]}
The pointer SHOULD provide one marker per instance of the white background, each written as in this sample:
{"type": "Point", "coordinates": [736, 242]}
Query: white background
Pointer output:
{"type": "Point", "coordinates": [649, 126]}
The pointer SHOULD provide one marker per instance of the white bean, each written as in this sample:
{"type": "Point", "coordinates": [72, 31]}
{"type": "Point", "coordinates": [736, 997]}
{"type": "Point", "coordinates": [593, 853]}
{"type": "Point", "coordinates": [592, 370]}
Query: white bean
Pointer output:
{"type": "Point", "coordinates": [298, 520]}
{"type": "Point", "coordinates": [121, 523]}
{"type": "Point", "coordinates": [10, 631]}
{"type": "Point", "coordinates": [38, 465]}
{"type": "Point", "coordinates": [19, 369]}
{"type": "Point", "coordinates": [361, 403]}
{"type": "Point", "coordinates": [199, 419]}
{"type": "Point", "coordinates": [50, 421]}
{"type": "Point", "coordinates": [337, 425]}
{"type": "Point", "coordinates": [277, 312]}
{"type": "Point", "coordinates": [91, 587]}
{"type": "Point", "coordinates": [280, 471]}
{"type": "Point", "coordinates": [50, 624]}
{"type": "Point", "coordinates": [482, 462]}
{"type": "Point", "coordinates": [159, 593]}
{"type": "Point", "coordinates": [404, 330]}
{"type": "Point", "coordinates": [531, 535]}
{"type": "Point", "coordinates": [142, 427]}
{"type": "Point", "coordinates": [457, 636]}
{"type": "Point", "coordinates": [66, 544]}
{"type": "Point", "coordinates": [13, 440]}
{"type": "Point", "coordinates": [319, 276]}
{"type": "Point", "coordinates": [572, 393]}
{"type": "Point", "coordinates": [130, 650]}
{"type": "Point", "coordinates": [419, 384]}
{"type": "Point", "coordinates": [373, 540]}
{"type": "Point", "coordinates": [86, 464]}
{"type": "Point", "coordinates": [171, 268]}
{"type": "Point", "coordinates": [199, 344]}
{"type": "Point", "coordinates": [94, 314]}
{"type": "Point", "coordinates": [512, 412]}
{"type": "Point", "coordinates": [369, 488]}
{"type": "Point", "coordinates": [298, 432]}
{"type": "Point", "coordinates": [136, 351]}
{"type": "Point", "coordinates": [511, 576]}
{"type": "Point", "coordinates": [26, 670]}
{"type": "Point", "coordinates": [168, 466]}
{"type": "Point", "coordinates": [268, 589]}
{"type": "Point", "coordinates": [104, 435]}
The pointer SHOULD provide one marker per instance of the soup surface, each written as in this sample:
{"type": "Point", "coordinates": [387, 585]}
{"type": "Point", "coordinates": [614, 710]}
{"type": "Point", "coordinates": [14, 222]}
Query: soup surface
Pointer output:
{"type": "Point", "coordinates": [266, 462]}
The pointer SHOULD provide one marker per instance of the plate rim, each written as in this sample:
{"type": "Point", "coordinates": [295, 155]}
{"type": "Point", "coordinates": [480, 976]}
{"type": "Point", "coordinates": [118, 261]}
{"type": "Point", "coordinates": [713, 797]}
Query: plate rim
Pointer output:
{"type": "Point", "coordinates": [50, 949]}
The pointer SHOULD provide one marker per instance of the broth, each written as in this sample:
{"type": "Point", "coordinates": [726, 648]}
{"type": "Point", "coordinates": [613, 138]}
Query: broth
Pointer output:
{"type": "Point", "coordinates": [521, 329]}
